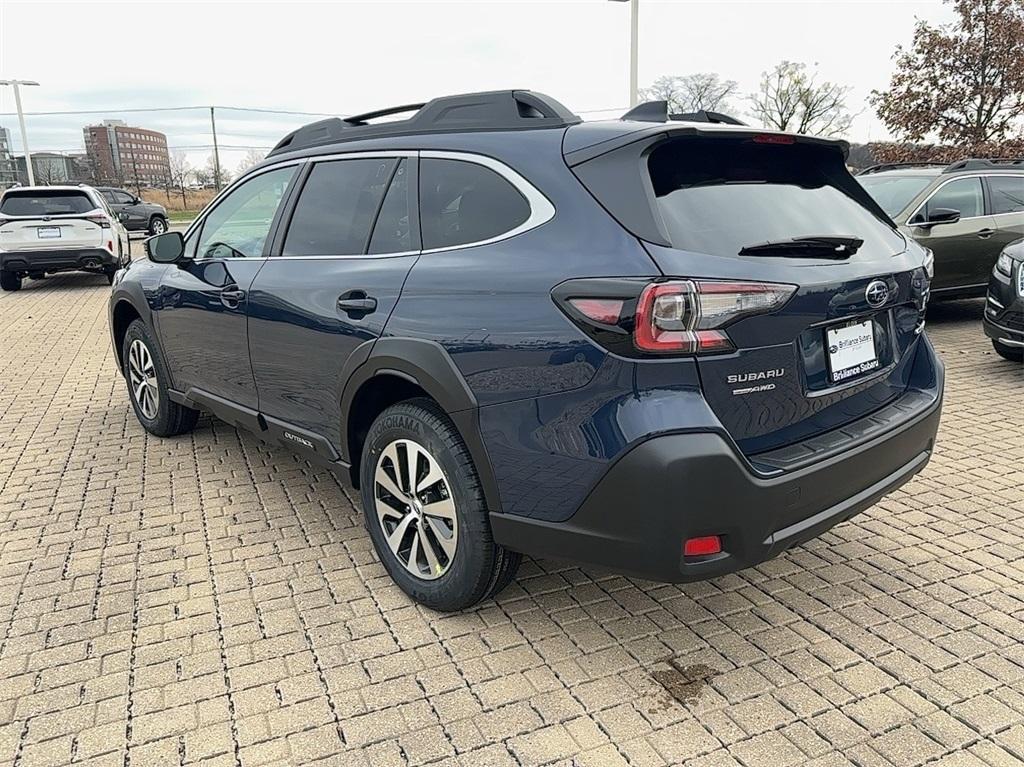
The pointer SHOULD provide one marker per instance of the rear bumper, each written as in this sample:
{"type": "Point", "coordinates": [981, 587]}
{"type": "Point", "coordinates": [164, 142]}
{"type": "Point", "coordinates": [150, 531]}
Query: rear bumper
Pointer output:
{"type": "Point", "coordinates": [56, 260]}
{"type": "Point", "coordinates": [685, 485]}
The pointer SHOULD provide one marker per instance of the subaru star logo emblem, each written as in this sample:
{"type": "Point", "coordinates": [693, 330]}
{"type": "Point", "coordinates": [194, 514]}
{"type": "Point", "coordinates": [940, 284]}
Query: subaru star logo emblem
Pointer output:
{"type": "Point", "coordinates": [877, 293]}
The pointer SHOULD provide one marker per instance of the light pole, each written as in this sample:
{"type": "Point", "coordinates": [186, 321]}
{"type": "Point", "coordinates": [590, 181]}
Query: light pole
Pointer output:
{"type": "Point", "coordinates": [21, 123]}
{"type": "Point", "coordinates": [634, 34]}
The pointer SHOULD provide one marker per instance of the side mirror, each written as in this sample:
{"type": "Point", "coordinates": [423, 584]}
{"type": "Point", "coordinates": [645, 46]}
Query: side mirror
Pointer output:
{"type": "Point", "coordinates": [136, 200]}
{"type": "Point", "coordinates": [166, 248]}
{"type": "Point", "coordinates": [937, 216]}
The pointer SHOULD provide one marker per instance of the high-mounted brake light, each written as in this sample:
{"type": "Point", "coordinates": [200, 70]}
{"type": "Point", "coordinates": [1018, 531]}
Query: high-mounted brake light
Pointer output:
{"type": "Point", "coordinates": [774, 138]}
{"type": "Point", "coordinates": [687, 316]}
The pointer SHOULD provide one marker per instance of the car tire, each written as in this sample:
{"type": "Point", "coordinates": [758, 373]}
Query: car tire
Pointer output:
{"type": "Point", "coordinates": [1010, 353]}
{"type": "Point", "coordinates": [147, 379]}
{"type": "Point", "coordinates": [10, 281]}
{"type": "Point", "coordinates": [157, 225]}
{"type": "Point", "coordinates": [463, 565]}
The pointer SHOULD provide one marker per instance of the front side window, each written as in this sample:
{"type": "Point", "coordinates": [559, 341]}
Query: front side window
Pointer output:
{"type": "Point", "coordinates": [123, 198]}
{"type": "Point", "coordinates": [463, 202]}
{"type": "Point", "coordinates": [964, 195]}
{"type": "Point", "coordinates": [337, 207]}
{"type": "Point", "coordinates": [1007, 194]}
{"type": "Point", "coordinates": [239, 225]}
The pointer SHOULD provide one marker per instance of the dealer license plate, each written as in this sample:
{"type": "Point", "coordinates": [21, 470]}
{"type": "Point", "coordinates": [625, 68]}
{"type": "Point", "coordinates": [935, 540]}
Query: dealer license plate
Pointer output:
{"type": "Point", "coordinates": [851, 350]}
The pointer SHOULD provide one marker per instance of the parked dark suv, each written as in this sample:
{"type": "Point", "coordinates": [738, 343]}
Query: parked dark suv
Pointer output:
{"type": "Point", "coordinates": [673, 348]}
{"type": "Point", "coordinates": [136, 214]}
{"type": "Point", "coordinates": [1004, 304]}
{"type": "Point", "coordinates": [965, 212]}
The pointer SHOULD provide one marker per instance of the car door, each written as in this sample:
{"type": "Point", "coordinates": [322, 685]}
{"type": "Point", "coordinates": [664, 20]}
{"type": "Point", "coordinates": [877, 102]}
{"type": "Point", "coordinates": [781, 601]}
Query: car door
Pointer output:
{"type": "Point", "coordinates": [134, 214]}
{"type": "Point", "coordinates": [1006, 197]}
{"type": "Point", "coordinates": [335, 275]}
{"type": "Point", "coordinates": [201, 311]}
{"type": "Point", "coordinates": [962, 249]}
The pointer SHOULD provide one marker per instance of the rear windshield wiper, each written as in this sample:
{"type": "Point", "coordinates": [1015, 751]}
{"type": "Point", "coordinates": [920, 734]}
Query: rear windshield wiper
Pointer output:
{"type": "Point", "coordinates": [813, 246]}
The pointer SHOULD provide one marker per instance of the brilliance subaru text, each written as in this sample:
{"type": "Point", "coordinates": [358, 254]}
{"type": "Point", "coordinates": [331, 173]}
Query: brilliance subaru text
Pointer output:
{"type": "Point", "coordinates": [671, 345]}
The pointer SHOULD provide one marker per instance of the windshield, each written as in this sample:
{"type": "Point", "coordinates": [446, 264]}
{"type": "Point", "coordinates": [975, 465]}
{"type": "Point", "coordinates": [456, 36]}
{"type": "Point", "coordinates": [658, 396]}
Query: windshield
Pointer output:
{"type": "Point", "coordinates": [894, 193]}
{"type": "Point", "coordinates": [719, 196]}
{"type": "Point", "coordinates": [45, 203]}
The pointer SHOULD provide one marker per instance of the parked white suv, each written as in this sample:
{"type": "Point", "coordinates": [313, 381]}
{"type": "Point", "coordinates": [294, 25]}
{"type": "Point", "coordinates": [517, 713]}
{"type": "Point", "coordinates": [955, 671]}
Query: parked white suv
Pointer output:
{"type": "Point", "coordinates": [47, 229]}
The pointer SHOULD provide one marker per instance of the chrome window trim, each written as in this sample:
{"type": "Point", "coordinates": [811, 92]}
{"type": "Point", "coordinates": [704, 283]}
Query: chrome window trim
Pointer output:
{"type": "Point", "coordinates": [541, 208]}
{"type": "Point", "coordinates": [960, 178]}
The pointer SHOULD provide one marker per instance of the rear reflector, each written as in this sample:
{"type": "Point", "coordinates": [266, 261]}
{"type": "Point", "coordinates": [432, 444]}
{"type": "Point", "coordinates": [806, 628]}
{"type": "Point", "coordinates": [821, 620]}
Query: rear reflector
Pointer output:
{"type": "Point", "coordinates": [703, 546]}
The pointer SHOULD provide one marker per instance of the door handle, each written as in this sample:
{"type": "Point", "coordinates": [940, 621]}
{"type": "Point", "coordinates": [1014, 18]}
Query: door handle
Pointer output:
{"type": "Point", "coordinates": [230, 297]}
{"type": "Point", "coordinates": [356, 302]}
{"type": "Point", "coordinates": [986, 233]}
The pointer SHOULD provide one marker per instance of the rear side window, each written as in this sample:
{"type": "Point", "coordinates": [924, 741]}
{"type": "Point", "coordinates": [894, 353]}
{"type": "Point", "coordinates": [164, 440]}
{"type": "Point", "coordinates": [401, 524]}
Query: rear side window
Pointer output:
{"type": "Point", "coordinates": [1007, 193]}
{"type": "Point", "coordinates": [964, 195]}
{"type": "Point", "coordinates": [392, 232]}
{"type": "Point", "coordinates": [337, 207]}
{"type": "Point", "coordinates": [45, 203]}
{"type": "Point", "coordinates": [463, 202]}
{"type": "Point", "coordinates": [717, 196]}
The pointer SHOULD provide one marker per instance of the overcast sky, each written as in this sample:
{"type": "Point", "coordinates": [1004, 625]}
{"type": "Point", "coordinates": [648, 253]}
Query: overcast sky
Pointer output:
{"type": "Point", "coordinates": [346, 57]}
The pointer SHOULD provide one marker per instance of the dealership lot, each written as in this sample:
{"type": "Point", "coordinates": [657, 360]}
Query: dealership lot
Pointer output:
{"type": "Point", "coordinates": [212, 600]}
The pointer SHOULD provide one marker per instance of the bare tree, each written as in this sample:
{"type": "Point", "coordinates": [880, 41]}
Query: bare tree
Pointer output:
{"type": "Point", "coordinates": [209, 174]}
{"type": "Point", "coordinates": [693, 92]}
{"type": "Point", "coordinates": [792, 99]}
{"type": "Point", "coordinates": [179, 174]}
{"type": "Point", "coordinates": [252, 157]}
{"type": "Point", "coordinates": [963, 82]}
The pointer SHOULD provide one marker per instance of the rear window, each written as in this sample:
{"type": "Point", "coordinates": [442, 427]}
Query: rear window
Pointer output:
{"type": "Point", "coordinates": [894, 193]}
{"type": "Point", "coordinates": [44, 203]}
{"type": "Point", "coordinates": [718, 196]}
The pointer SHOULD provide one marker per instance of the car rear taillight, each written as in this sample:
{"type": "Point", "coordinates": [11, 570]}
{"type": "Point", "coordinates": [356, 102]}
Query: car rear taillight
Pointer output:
{"type": "Point", "coordinates": [102, 220]}
{"type": "Point", "coordinates": [687, 316]}
{"type": "Point", "coordinates": [635, 317]}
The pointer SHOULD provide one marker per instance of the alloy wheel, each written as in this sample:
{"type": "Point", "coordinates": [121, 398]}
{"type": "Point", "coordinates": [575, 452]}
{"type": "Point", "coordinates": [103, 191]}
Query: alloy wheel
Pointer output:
{"type": "Point", "coordinates": [415, 509]}
{"type": "Point", "coordinates": [159, 227]}
{"type": "Point", "coordinates": [142, 378]}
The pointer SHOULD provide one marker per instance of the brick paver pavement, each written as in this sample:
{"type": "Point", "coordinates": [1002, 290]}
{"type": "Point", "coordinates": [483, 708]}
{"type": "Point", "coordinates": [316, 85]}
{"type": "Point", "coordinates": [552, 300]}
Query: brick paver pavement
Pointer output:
{"type": "Point", "coordinates": [210, 600]}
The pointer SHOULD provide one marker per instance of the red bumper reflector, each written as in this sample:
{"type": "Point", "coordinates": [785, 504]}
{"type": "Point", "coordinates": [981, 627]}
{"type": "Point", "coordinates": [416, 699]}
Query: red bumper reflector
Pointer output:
{"type": "Point", "coordinates": [701, 547]}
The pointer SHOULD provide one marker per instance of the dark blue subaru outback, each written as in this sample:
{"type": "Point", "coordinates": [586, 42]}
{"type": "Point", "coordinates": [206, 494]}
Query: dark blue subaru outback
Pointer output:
{"type": "Point", "coordinates": [674, 346]}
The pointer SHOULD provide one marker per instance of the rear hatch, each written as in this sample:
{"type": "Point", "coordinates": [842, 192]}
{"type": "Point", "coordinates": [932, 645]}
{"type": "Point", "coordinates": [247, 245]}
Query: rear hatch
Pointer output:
{"type": "Point", "coordinates": [51, 219]}
{"type": "Point", "coordinates": [784, 211]}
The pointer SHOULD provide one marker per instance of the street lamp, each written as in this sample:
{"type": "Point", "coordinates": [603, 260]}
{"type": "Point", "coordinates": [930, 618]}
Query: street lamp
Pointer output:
{"type": "Point", "coordinates": [634, 9]}
{"type": "Point", "coordinates": [21, 123]}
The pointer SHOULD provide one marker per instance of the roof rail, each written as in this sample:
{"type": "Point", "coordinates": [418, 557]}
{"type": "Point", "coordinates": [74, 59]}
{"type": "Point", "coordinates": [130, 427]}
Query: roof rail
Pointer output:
{"type": "Point", "coordinates": [982, 163]}
{"type": "Point", "coordinates": [657, 112]}
{"type": "Point", "coordinates": [895, 165]}
{"type": "Point", "coordinates": [491, 110]}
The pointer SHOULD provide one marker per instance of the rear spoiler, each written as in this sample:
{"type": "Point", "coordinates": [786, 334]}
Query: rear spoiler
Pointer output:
{"type": "Point", "coordinates": [662, 131]}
